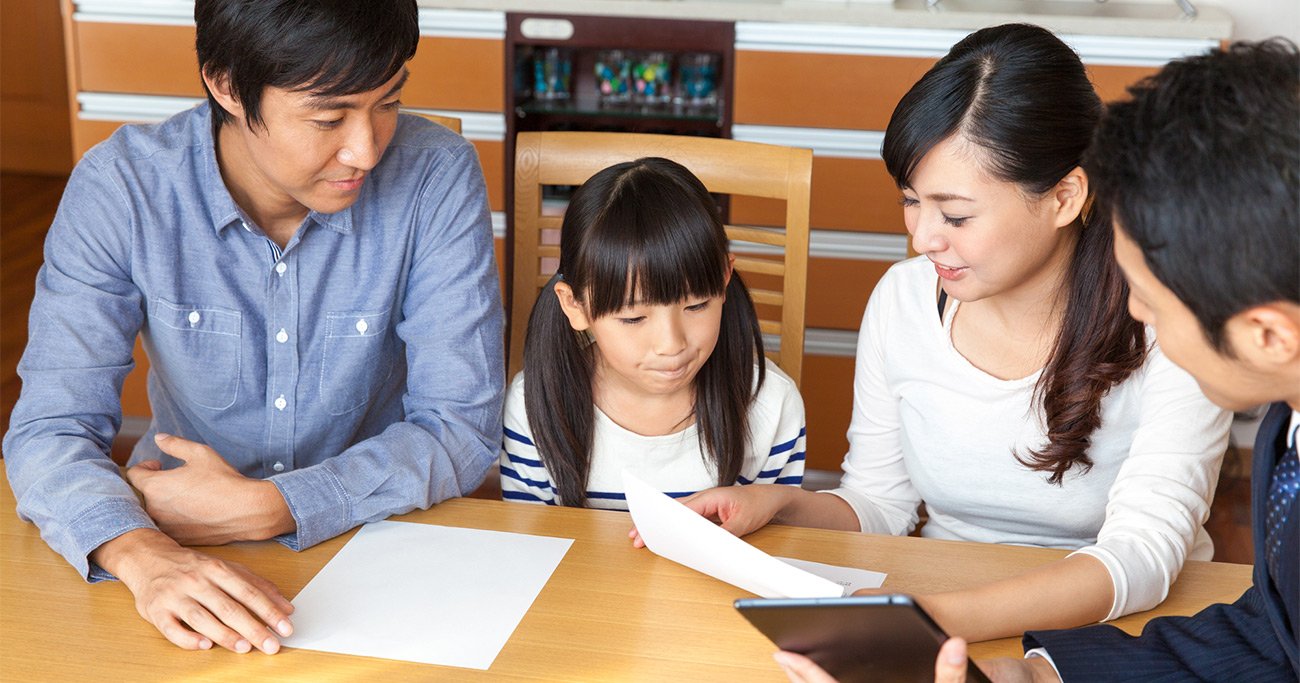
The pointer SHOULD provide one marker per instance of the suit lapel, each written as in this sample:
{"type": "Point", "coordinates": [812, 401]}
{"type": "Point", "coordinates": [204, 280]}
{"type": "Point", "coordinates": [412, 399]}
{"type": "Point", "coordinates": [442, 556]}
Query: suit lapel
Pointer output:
{"type": "Point", "coordinates": [1270, 444]}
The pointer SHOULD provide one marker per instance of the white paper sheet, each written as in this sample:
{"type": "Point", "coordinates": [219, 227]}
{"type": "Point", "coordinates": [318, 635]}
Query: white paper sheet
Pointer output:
{"type": "Point", "coordinates": [676, 532]}
{"type": "Point", "coordinates": [851, 578]}
{"type": "Point", "coordinates": [424, 593]}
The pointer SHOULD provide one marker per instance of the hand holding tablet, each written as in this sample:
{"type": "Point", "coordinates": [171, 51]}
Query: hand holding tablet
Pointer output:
{"type": "Point", "coordinates": [861, 638]}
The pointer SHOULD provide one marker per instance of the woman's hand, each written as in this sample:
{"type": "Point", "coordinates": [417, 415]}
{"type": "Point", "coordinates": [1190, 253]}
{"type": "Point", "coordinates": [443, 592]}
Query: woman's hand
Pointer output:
{"type": "Point", "coordinates": [738, 509]}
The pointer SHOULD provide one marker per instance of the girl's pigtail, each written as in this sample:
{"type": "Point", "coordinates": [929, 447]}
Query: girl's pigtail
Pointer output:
{"type": "Point", "coordinates": [725, 386]}
{"type": "Point", "coordinates": [557, 396]}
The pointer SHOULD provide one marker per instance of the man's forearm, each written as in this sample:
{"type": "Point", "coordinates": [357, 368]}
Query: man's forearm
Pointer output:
{"type": "Point", "coordinates": [273, 517]}
{"type": "Point", "coordinates": [124, 556]}
{"type": "Point", "coordinates": [206, 501]}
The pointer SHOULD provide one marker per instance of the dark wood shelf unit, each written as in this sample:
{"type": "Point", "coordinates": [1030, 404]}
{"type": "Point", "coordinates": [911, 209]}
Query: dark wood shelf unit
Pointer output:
{"type": "Point", "coordinates": [583, 110]}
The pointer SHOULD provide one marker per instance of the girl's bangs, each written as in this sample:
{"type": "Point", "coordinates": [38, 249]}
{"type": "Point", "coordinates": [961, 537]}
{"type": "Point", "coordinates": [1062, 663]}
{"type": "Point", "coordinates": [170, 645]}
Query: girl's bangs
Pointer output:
{"type": "Point", "coordinates": [655, 256]}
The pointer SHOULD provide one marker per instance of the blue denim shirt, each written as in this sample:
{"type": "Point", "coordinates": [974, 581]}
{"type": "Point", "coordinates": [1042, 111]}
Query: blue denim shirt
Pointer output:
{"type": "Point", "coordinates": [360, 369]}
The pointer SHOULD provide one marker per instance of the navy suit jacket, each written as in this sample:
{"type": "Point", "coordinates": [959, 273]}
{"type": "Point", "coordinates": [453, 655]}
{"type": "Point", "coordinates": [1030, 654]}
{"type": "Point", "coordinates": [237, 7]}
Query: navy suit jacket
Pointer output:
{"type": "Point", "coordinates": [1253, 639]}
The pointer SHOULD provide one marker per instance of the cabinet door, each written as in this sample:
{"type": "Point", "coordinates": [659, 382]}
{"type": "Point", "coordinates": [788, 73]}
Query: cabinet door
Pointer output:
{"type": "Point", "coordinates": [33, 89]}
{"type": "Point", "coordinates": [144, 59]}
{"type": "Point", "coordinates": [855, 92]}
{"type": "Point", "coordinates": [827, 390]}
{"type": "Point", "coordinates": [457, 73]}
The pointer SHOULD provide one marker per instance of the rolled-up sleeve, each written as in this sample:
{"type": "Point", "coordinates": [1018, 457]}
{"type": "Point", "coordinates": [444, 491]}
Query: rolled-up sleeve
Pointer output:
{"type": "Point", "coordinates": [1161, 497]}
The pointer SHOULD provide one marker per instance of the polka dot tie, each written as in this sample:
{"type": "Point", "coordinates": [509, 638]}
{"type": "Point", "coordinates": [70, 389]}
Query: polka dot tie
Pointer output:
{"type": "Point", "coordinates": [1281, 499]}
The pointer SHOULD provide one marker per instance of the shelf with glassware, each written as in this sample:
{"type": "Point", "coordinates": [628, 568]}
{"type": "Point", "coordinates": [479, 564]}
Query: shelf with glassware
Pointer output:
{"type": "Point", "coordinates": [616, 74]}
{"type": "Point", "coordinates": [617, 89]}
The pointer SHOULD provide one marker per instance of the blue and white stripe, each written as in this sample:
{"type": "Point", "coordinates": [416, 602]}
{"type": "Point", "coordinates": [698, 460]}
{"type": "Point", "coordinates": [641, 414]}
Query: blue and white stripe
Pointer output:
{"type": "Point", "coordinates": [784, 465]}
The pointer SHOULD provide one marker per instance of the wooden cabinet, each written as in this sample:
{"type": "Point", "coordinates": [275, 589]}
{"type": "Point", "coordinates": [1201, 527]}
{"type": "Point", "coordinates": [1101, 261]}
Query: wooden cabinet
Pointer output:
{"type": "Point", "coordinates": [457, 74]}
{"type": "Point", "coordinates": [831, 88]}
{"type": "Point", "coordinates": [576, 47]}
{"type": "Point", "coordinates": [845, 91]}
{"type": "Point", "coordinates": [34, 137]}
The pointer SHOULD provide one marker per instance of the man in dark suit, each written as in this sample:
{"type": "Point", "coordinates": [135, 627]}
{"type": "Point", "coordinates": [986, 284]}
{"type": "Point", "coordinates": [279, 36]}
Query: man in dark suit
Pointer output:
{"type": "Point", "coordinates": [1200, 172]}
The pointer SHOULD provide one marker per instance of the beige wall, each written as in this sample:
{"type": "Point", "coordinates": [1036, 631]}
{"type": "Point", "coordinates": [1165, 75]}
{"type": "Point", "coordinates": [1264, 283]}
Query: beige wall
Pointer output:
{"type": "Point", "coordinates": [1258, 19]}
{"type": "Point", "coordinates": [1252, 19]}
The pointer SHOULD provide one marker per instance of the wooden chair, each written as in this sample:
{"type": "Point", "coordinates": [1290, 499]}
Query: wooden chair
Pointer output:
{"type": "Point", "coordinates": [445, 121]}
{"type": "Point", "coordinates": [773, 261]}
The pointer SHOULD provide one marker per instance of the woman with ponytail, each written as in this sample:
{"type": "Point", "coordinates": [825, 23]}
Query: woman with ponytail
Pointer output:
{"type": "Point", "coordinates": [1000, 379]}
{"type": "Point", "coordinates": [644, 353]}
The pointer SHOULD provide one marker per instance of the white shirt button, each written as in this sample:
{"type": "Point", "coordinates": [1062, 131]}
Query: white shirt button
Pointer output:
{"type": "Point", "coordinates": [280, 268]}
{"type": "Point", "coordinates": [282, 336]}
{"type": "Point", "coordinates": [278, 467]}
{"type": "Point", "coordinates": [194, 318]}
{"type": "Point", "coordinates": [280, 403]}
{"type": "Point", "coordinates": [362, 326]}
{"type": "Point", "coordinates": [246, 228]}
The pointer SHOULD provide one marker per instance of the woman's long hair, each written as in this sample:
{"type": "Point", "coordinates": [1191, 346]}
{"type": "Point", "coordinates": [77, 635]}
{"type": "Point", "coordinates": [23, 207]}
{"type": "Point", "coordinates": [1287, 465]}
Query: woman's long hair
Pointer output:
{"type": "Point", "coordinates": [1023, 97]}
{"type": "Point", "coordinates": [648, 231]}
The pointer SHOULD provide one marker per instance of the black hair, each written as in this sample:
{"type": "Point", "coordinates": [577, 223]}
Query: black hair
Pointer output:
{"type": "Point", "coordinates": [1023, 98]}
{"type": "Point", "coordinates": [1201, 168]}
{"type": "Point", "coordinates": [327, 47]}
{"type": "Point", "coordinates": [648, 231]}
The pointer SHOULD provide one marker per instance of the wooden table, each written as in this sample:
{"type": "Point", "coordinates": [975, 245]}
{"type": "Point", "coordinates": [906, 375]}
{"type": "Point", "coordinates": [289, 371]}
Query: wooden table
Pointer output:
{"type": "Point", "coordinates": [609, 613]}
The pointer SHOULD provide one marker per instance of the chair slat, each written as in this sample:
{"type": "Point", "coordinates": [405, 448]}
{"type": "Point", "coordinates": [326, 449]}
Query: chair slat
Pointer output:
{"type": "Point", "coordinates": [754, 265]}
{"type": "Point", "coordinates": [737, 233]}
{"type": "Point", "coordinates": [767, 296]}
{"type": "Point", "coordinates": [726, 167]}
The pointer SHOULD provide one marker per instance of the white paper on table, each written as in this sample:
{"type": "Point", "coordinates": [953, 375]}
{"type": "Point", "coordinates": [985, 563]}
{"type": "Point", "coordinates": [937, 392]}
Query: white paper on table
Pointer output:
{"type": "Point", "coordinates": [851, 578]}
{"type": "Point", "coordinates": [674, 531]}
{"type": "Point", "coordinates": [424, 593]}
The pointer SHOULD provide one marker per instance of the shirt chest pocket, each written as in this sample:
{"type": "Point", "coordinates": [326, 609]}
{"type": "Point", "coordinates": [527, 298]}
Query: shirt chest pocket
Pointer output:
{"type": "Point", "coordinates": [355, 361]}
{"type": "Point", "coordinates": [198, 349]}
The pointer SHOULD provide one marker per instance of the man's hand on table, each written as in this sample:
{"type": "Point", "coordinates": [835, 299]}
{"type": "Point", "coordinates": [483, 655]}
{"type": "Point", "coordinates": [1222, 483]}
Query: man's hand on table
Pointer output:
{"type": "Point", "coordinates": [949, 667]}
{"type": "Point", "coordinates": [206, 501]}
{"type": "Point", "coordinates": [194, 599]}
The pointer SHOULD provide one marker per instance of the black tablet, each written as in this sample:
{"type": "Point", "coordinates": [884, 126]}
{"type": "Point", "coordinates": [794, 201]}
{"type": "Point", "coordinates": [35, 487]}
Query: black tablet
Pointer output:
{"type": "Point", "coordinates": [881, 638]}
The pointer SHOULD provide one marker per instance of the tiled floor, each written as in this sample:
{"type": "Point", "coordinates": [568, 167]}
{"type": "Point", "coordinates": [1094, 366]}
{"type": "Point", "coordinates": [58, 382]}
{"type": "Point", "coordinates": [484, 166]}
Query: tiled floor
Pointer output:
{"type": "Point", "coordinates": [28, 203]}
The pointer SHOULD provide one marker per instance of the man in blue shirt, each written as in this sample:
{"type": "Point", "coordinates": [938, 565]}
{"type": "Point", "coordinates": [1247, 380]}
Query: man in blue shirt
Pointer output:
{"type": "Point", "coordinates": [314, 281]}
{"type": "Point", "coordinates": [1200, 172]}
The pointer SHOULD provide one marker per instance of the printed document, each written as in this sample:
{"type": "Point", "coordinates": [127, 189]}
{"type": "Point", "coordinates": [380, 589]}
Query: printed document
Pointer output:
{"type": "Point", "coordinates": [674, 531]}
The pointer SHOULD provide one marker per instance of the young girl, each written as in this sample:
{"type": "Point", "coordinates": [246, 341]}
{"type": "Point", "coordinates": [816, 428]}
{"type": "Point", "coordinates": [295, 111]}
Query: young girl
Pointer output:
{"type": "Point", "coordinates": [999, 377]}
{"type": "Point", "coordinates": [644, 354]}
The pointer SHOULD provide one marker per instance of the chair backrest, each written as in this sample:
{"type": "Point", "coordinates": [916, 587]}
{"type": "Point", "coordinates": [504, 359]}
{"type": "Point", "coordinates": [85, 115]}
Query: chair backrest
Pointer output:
{"type": "Point", "coordinates": [445, 121]}
{"type": "Point", "coordinates": [773, 261]}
